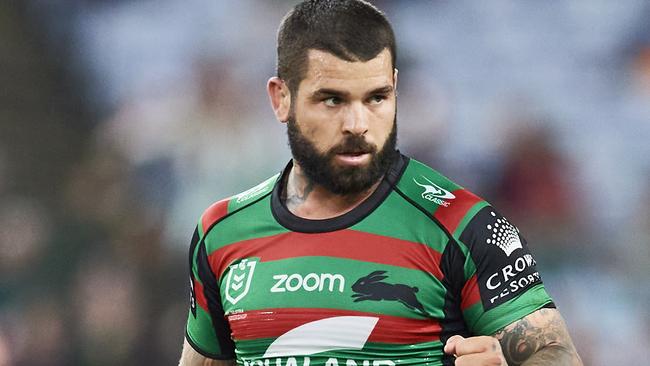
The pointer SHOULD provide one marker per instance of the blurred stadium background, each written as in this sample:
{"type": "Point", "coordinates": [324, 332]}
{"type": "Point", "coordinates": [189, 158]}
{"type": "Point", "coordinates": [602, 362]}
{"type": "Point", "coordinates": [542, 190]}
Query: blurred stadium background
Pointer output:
{"type": "Point", "coordinates": [120, 121]}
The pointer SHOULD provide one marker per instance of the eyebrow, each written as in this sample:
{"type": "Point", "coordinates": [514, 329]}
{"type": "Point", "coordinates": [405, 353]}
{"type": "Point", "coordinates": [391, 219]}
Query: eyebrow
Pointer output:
{"type": "Point", "coordinates": [326, 92]}
{"type": "Point", "coordinates": [383, 90]}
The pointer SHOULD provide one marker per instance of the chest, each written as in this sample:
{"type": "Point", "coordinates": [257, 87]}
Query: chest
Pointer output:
{"type": "Point", "coordinates": [349, 271]}
{"type": "Point", "coordinates": [351, 292]}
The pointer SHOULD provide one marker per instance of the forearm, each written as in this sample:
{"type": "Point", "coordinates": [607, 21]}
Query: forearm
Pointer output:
{"type": "Point", "coordinates": [554, 355]}
{"type": "Point", "coordinates": [190, 357]}
{"type": "Point", "coordinates": [538, 339]}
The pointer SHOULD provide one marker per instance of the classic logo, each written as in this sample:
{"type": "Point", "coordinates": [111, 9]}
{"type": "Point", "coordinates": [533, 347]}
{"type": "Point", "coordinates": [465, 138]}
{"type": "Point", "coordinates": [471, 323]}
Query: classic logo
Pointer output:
{"type": "Point", "coordinates": [239, 280]}
{"type": "Point", "coordinates": [504, 235]}
{"type": "Point", "coordinates": [370, 288]}
{"type": "Point", "coordinates": [435, 193]}
{"type": "Point", "coordinates": [253, 192]}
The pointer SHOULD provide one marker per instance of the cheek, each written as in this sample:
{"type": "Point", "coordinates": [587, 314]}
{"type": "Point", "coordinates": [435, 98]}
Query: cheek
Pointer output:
{"type": "Point", "coordinates": [317, 133]}
{"type": "Point", "coordinates": [384, 119]}
{"type": "Point", "coordinates": [387, 113]}
{"type": "Point", "coordinates": [320, 130]}
{"type": "Point", "coordinates": [325, 139]}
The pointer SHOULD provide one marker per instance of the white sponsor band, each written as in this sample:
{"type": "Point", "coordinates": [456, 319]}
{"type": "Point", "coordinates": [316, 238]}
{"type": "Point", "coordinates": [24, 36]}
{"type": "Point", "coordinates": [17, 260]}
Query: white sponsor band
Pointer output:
{"type": "Point", "coordinates": [323, 335]}
{"type": "Point", "coordinates": [305, 361]}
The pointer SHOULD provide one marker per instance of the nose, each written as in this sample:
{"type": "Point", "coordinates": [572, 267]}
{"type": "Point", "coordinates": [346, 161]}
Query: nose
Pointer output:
{"type": "Point", "coordinates": [355, 120]}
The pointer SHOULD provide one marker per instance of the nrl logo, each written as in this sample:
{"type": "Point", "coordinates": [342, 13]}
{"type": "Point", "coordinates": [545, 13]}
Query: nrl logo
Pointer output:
{"type": "Point", "coordinates": [239, 280]}
{"type": "Point", "coordinates": [435, 193]}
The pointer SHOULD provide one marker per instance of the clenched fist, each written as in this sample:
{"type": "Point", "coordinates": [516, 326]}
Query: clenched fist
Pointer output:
{"type": "Point", "coordinates": [475, 351]}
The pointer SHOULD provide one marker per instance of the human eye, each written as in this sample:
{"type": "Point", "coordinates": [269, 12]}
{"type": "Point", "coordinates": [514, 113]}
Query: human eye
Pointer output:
{"type": "Point", "coordinates": [377, 99]}
{"type": "Point", "coordinates": [332, 101]}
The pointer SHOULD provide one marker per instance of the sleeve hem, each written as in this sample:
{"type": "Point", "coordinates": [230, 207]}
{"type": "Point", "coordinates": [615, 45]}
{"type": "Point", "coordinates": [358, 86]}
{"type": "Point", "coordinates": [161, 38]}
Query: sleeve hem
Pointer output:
{"type": "Point", "coordinates": [547, 304]}
{"type": "Point", "coordinates": [524, 304]}
{"type": "Point", "coordinates": [204, 353]}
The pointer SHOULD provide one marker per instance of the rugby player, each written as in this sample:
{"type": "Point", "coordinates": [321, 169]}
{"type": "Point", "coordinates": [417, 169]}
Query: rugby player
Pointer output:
{"type": "Point", "coordinates": [356, 254]}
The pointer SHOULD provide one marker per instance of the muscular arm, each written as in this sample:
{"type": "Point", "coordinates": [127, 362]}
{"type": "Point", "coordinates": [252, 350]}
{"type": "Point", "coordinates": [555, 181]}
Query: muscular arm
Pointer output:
{"type": "Point", "coordinates": [540, 338]}
{"type": "Point", "coordinates": [192, 358]}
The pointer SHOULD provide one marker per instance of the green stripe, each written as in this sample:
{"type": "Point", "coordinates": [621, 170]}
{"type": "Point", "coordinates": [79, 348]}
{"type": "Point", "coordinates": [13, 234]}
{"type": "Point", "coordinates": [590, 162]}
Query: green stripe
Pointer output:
{"type": "Point", "coordinates": [238, 226]}
{"type": "Point", "coordinates": [495, 319]}
{"type": "Point", "coordinates": [200, 229]}
{"type": "Point", "coordinates": [201, 331]}
{"type": "Point", "coordinates": [472, 313]}
{"type": "Point", "coordinates": [397, 218]}
{"type": "Point", "coordinates": [253, 194]}
{"type": "Point", "coordinates": [469, 268]}
{"type": "Point", "coordinates": [195, 266]}
{"type": "Point", "coordinates": [416, 171]}
{"type": "Point", "coordinates": [326, 282]}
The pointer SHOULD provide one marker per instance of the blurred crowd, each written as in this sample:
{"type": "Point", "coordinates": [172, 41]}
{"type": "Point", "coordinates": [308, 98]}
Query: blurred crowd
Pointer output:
{"type": "Point", "coordinates": [120, 121]}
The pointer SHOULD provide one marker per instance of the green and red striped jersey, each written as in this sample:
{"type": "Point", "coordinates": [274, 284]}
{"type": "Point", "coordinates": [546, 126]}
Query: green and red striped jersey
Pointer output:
{"type": "Point", "coordinates": [387, 283]}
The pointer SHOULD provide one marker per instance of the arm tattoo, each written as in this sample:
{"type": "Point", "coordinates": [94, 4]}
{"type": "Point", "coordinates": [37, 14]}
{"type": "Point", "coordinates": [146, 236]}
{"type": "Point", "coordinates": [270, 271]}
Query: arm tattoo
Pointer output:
{"type": "Point", "coordinates": [540, 338]}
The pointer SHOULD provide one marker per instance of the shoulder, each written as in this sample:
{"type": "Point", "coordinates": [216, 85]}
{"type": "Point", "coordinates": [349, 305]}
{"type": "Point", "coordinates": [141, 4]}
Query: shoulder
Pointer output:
{"type": "Point", "coordinates": [450, 204]}
{"type": "Point", "coordinates": [228, 206]}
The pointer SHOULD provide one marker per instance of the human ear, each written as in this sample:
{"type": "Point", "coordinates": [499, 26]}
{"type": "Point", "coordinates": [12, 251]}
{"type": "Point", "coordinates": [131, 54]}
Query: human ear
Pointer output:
{"type": "Point", "coordinates": [280, 97]}
{"type": "Point", "coordinates": [395, 80]}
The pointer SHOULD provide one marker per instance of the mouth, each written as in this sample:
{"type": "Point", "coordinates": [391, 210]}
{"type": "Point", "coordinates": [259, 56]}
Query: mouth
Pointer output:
{"type": "Point", "coordinates": [353, 158]}
{"type": "Point", "coordinates": [353, 153]}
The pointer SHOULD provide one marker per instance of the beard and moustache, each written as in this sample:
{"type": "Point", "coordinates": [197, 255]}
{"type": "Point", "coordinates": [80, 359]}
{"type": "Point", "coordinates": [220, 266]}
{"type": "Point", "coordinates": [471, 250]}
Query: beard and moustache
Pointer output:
{"type": "Point", "coordinates": [321, 168]}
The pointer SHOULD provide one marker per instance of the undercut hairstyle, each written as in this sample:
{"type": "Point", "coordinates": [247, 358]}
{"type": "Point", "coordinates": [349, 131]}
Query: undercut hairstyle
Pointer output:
{"type": "Point", "coordinates": [353, 30]}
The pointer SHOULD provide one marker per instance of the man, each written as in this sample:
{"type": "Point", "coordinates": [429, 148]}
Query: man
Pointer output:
{"type": "Point", "coordinates": [356, 254]}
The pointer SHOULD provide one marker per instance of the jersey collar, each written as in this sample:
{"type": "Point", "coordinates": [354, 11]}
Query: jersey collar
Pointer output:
{"type": "Point", "coordinates": [295, 223]}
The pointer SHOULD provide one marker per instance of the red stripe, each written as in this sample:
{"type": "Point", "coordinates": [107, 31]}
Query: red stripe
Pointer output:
{"type": "Point", "coordinates": [272, 323]}
{"type": "Point", "coordinates": [470, 294]}
{"type": "Point", "coordinates": [451, 215]}
{"type": "Point", "coordinates": [200, 296]}
{"type": "Point", "coordinates": [214, 213]}
{"type": "Point", "coordinates": [348, 244]}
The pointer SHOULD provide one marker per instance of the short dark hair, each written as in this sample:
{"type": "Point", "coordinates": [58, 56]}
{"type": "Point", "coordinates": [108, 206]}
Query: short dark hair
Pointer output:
{"type": "Point", "coordinates": [353, 30]}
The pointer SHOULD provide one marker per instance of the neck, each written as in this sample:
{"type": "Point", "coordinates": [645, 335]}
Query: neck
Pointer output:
{"type": "Point", "coordinates": [308, 200]}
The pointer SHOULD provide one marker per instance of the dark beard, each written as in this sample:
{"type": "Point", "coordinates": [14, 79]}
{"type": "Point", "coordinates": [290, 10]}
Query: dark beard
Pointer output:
{"type": "Point", "coordinates": [321, 169]}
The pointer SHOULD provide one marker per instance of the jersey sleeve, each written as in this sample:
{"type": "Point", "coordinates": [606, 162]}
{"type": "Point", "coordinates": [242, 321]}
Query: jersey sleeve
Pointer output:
{"type": "Point", "coordinates": [502, 284]}
{"type": "Point", "coordinates": [207, 329]}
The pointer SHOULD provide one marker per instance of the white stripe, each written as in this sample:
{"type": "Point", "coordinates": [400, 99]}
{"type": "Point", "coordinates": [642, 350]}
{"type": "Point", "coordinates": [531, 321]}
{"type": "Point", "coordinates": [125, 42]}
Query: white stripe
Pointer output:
{"type": "Point", "coordinates": [341, 332]}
